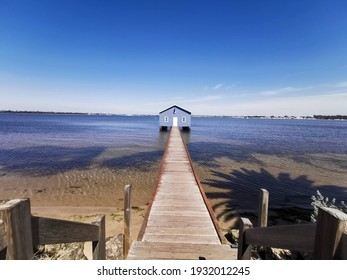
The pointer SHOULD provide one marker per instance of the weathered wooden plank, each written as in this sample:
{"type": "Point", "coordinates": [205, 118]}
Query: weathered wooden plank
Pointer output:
{"type": "Point", "coordinates": [16, 216]}
{"type": "Point", "coordinates": [174, 175]}
{"type": "Point", "coordinates": [179, 180]}
{"type": "Point", "coordinates": [176, 168]}
{"type": "Point", "coordinates": [185, 219]}
{"type": "Point", "coordinates": [99, 246]}
{"type": "Point", "coordinates": [174, 223]}
{"type": "Point", "coordinates": [183, 196]}
{"type": "Point", "coordinates": [173, 191]}
{"type": "Point", "coordinates": [341, 252]}
{"type": "Point", "coordinates": [193, 239]}
{"type": "Point", "coordinates": [180, 230]}
{"type": "Point", "coordinates": [172, 182]}
{"type": "Point", "coordinates": [178, 203]}
{"type": "Point", "coordinates": [263, 216]}
{"type": "Point", "coordinates": [174, 188]}
{"type": "Point", "coordinates": [190, 214]}
{"type": "Point", "coordinates": [263, 208]}
{"type": "Point", "coordinates": [331, 225]}
{"type": "Point", "coordinates": [244, 249]}
{"type": "Point", "coordinates": [293, 237]}
{"type": "Point", "coordinates": [127, 220]}
{"type": "Point", "coordinates": [196, 201]}
{"type": "Point", "coordinates": [3, 237]}
{"type": "Point", "coordinates": [176, 208]}
{"type": "Point", "coordinates": [177, 186]}
{"type": "Point", "coordinates": [55, 231]}
{"type": "Point", "coordinates": [154, 250]}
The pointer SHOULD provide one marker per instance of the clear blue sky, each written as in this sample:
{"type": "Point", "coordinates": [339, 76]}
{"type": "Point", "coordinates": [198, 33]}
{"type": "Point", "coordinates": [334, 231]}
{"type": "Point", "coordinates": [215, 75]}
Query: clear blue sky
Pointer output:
{"type": "Point", "coordinates": [211, 57]}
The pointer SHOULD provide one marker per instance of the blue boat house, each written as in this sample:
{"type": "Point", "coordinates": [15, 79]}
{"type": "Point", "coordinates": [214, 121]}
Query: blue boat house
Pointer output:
{"type": "Point", "coordinates": [175, 116]}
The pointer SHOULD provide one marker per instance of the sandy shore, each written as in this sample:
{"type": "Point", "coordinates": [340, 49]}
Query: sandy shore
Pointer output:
{"type": "Point", "coordinates": [232, 187]}
{"type": "Point", "coordinates": [81, 195]}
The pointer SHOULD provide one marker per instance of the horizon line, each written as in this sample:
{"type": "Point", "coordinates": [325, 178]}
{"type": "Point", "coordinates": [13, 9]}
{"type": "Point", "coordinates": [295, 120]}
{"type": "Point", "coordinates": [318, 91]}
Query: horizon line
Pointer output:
{"type": "Point", "coordinates": [198, 115]}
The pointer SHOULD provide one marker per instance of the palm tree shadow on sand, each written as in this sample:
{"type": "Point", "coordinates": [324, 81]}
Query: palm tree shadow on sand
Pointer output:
{"type": "Point", "coordinates": [289, 198]}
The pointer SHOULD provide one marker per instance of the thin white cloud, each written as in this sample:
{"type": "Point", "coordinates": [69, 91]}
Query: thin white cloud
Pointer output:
{"type": "Point", "coordinates": [211, 97]}
{"type": "Point", "coordinates": [284, 90]}
{"type": "Point", "coordinates": [324, 104]}
{"type": "Point", "coordinates": [342, 84]}
{"type": "Point", "coordinates": [204, 98]}
{"type": "Point", "coordinates": [230, 86]}
{"type": "Point", "coordinates": [218, 86]}
{"type": "Point", "coordinates": [192, 100]}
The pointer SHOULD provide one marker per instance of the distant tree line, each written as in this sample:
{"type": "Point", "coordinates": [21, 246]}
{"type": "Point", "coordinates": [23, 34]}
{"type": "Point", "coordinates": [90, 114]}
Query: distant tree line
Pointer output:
{"type": "Point", "coordinates": [332, 117]}
{"type": "Point", "coordinates": [41, 112]}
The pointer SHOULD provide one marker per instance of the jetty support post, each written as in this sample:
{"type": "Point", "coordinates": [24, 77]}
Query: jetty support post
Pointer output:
{"type": "Point", "coordinates": [331, 226]}
{"type": "Point", "coordinates": [99, 246]}
{"type": "Point", "coordinates": [244, 249]}
{"type": "Point", "coordinates": [16, 215]}
{"type": "Point", "coordinates": [263, 218]}
{"type": "Point", "coordinates": [127, 220]}
{"type": "Point", "coordinates": [263, 208]}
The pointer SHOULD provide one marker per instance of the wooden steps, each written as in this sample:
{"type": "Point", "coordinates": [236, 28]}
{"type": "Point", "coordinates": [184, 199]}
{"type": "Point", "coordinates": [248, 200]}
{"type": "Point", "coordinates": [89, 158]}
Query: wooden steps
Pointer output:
{"type": "Point", "coordinates": [180, 251]}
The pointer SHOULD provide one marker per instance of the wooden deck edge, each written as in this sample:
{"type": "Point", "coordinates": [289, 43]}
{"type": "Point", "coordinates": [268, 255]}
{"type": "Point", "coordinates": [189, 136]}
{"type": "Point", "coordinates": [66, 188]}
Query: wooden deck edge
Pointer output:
{"type": "Point", "coordinates": [180, 251]}
{"type": "Point", "coordinates": [215, 222]}
{"type": "Point", "coordinates": [150, 203]}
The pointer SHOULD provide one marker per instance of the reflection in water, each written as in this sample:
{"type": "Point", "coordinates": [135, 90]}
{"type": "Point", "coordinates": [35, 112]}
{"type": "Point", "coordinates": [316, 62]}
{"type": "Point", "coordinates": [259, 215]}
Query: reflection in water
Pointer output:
{"type": "Point", "coordinates": [186, 136]}
{"type": "Point", "coordinates": [163, 136]}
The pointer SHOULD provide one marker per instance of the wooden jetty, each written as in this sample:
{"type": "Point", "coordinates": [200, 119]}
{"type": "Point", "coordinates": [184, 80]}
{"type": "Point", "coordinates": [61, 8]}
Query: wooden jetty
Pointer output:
{"type": "Point", "coordinates": [179, 223]}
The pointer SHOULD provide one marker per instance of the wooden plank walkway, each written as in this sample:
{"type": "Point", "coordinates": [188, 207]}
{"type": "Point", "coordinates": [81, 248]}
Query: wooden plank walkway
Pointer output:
{"type": "Point", "coordinates": [179, 223]}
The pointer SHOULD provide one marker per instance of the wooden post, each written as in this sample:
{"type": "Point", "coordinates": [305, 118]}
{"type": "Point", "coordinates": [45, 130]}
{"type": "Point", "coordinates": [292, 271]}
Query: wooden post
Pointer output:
{"type": "Point", "coordinates": [99, 246]}
{"type": "Point", "coordinates": [331, 224]}
{"type": "Point", "coordinates": [262, 219]}
{"type": "Point", "coordinates": [244, 249]}
{"type": "Point", "coordinates": [16, 215]}
{"type": "Point", "coordinates": [263, 208]}
{"type": "Point", "coordinates": [3, 241]}
{"type": "Point", "coordinates": [127, 220]}
{"type": "Point", "coordinates": [341, 252]}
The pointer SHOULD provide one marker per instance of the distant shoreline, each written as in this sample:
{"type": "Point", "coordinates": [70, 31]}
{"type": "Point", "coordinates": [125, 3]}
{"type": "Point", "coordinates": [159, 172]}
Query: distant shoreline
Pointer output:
{"type": "Point", "coordinates": [314, 117]}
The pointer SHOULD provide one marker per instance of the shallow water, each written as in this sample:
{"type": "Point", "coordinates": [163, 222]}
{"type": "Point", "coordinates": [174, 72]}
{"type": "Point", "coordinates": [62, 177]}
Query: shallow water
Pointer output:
{"type": "Point", "coordinates": [81, 154]}
{"type": "Point", "coordinates": [49, 144]}
{"type": "Point", "coordinates": [290, 158]}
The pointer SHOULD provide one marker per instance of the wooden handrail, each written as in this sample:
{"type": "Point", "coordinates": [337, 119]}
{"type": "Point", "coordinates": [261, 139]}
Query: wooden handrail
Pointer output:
{"type": "Point", "coordinates": [244, 250]}
{"type": "Point", "coordinates": [331, 225]}
{"type": "Point", "coordinates": [293, 237]}
{"type": "Point", "coordinates": [53, 231]}
{"type": "Point", "coordinates": [341, 251]}
{"type": "Point", "coordinates": [16, 215]}
{"type": "Point", "coordinates": [99, 245]}
{"type": "Point", "coordinates": [327, 239]}
{"type": "Point", "coordinates": [23, 231]}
